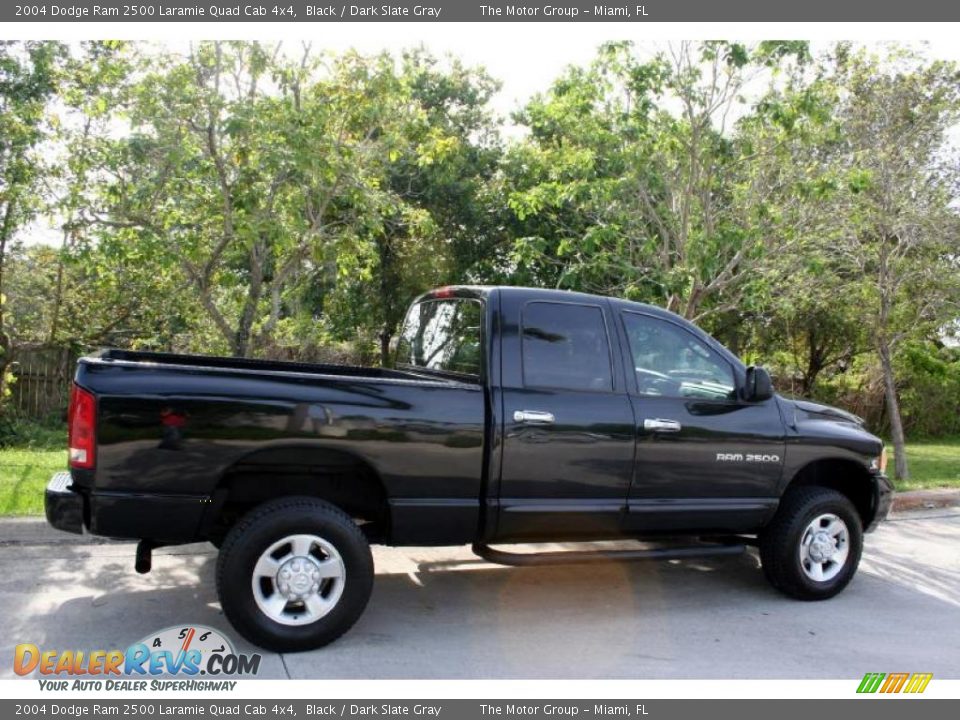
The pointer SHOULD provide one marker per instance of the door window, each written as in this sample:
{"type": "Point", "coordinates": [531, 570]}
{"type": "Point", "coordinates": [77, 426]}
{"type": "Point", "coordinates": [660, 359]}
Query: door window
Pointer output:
{"type": "Point", "coordinates": [671, 361]}
{"type": "Point", "coordinates": [565, 346]}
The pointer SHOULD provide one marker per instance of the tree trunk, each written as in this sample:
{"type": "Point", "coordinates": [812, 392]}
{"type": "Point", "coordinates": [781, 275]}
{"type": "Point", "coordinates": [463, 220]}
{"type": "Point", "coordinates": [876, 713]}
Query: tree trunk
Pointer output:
{"type": "Point", "coordinates": [6, 344]}
{"type": "Point", "coordinates": [385, 336]}
{"type": "Point", "coordinates": [901, 471]}
{"type": "Point", "coordinates": [58, 292]}
{"type": "Point", "coordinates": [388, 291]}
{"type": "Point", "coordinates": [242, 345]}
{"type": "Point", "coordinates": [815, 363]}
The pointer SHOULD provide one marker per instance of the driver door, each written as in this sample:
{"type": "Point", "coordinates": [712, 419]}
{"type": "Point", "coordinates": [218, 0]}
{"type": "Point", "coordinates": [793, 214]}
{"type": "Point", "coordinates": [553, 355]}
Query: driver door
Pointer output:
{"type": "Point", "coordinates": [705, 459]}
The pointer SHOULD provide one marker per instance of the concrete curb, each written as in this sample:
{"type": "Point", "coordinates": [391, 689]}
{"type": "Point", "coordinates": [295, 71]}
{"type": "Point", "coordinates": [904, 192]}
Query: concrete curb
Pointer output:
{"type": "Point", "coordinates": [925, 499]}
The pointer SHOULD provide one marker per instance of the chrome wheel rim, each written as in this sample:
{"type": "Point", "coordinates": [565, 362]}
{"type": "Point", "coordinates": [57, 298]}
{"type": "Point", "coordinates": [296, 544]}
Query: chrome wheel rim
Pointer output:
{"type": "Point", "coordinates": [298, 579]}
{"type": "Point", "coordinates": [824, 547]}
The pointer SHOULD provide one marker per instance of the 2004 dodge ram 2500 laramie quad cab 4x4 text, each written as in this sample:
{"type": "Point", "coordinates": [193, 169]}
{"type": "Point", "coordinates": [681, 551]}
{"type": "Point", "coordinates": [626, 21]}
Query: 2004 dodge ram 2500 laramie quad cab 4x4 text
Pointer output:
{"type": "Point", "coordinates": [513, 415]}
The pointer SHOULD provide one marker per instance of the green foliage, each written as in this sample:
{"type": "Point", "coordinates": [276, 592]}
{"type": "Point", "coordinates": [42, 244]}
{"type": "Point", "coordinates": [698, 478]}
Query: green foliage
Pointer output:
{"type": "Point", "coordinates": [929, 381]}
{"type": "Point", "coordinates": [620, 192]}
{"type": "Point", "coordinates": [246, 173]}
{"type": "Point", "coordinates": [32, 434]}
{"type": "Point", "coordinates": [28, 80]}
{"type": "Point", "coordinates": [245, 199]}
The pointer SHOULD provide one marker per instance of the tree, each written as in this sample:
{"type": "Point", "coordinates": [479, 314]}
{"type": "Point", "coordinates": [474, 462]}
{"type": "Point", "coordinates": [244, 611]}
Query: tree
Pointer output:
{"type": "Point", "coordinates": [786, 189]}
{"type": "Point", "coordinates": [442, 153]}
{"type": "Point", "coordinates": [900, 227]}
{"type": "Point", "coordinates": [243, 166]}
{"type": "Point", "coordinates": [629, 182]}
{"type": "Point", "coordinates": [28, 79]}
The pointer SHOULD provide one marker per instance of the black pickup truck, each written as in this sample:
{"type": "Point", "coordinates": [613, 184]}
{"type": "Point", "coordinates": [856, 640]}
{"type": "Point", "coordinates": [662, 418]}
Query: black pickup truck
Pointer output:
{"type": "Point", "coordinates": [513, 415]}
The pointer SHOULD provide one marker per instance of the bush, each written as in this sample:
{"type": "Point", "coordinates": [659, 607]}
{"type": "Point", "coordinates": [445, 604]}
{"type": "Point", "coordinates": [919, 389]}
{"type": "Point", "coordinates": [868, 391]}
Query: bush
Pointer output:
{"type": "Point", "coordinates": [929, 382]}
{"type": "Point", "coordinates": [48, 433]}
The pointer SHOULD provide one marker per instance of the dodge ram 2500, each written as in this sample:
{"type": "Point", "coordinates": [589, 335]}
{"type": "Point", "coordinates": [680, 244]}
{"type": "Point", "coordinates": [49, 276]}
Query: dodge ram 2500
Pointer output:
{"type": "Point", "coordinates": [512, 415]}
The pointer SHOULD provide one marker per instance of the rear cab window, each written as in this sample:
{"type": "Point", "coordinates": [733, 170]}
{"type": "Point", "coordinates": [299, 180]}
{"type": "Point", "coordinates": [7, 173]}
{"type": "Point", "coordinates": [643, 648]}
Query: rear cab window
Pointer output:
{"type": "Point", "coordinates": [443, 336]}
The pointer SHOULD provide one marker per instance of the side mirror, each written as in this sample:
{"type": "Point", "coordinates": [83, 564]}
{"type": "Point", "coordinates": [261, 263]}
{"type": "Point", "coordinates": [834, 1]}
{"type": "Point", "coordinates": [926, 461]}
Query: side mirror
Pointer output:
{"type": "Point", "coordinates": [758, 385]}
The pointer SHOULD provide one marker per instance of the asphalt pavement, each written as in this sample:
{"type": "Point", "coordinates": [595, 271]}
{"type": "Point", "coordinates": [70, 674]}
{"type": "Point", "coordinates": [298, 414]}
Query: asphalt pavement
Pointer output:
{"type": "Point", "coordinates": [443, 613]}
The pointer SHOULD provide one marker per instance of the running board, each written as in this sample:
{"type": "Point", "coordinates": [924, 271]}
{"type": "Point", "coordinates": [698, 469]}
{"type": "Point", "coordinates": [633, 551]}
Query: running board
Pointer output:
{"type": "Point", "coordinates": [585, 556]}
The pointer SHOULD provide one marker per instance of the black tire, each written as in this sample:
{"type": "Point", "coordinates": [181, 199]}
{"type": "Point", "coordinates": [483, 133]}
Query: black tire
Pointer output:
{"type": "Point", "coordinates": [268, 524]}
{"type": "Point", "coordinates": [780, 542]}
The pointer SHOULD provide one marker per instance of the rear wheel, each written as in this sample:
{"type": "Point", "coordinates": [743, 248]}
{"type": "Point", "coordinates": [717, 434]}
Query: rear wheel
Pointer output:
{"type": "Point", "coordinates": [811, 548]}
{"type": "Point", "coordinates": [294, 574]}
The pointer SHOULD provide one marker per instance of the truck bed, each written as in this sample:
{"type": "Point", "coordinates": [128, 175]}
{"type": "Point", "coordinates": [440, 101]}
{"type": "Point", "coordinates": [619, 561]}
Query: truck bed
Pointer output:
{"type": "Point", "coordinates": [174, 430]}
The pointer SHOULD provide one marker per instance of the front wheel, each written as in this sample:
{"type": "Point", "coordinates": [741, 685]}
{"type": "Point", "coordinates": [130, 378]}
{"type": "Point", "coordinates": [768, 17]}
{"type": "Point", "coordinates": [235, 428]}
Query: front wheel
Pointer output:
{"type": "Point", "coordinates": [811, 548]}
{"type": "Point", "coordinates": [294, 574]}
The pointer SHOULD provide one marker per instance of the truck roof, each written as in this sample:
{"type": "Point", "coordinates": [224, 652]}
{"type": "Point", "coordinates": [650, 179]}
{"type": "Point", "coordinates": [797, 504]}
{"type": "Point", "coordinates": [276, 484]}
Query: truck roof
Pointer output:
{"type": "Point", "coordinates": [481, 291]}
{"type": "Point", "coordinates": [555, 294]}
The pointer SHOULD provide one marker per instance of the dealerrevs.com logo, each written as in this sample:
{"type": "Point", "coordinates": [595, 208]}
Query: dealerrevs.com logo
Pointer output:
{"type": "Point", "coordinates": [179, 651]}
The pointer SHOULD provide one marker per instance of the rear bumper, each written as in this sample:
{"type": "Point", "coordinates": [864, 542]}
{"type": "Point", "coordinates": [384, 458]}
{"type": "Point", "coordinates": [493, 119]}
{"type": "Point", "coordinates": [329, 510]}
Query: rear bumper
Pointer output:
{"type": "Point", "coordinates": [63, 506]}
{"type": "Point", "coordinates": [883, 499]}
{"type": "Point", "coordinates": [166, 518]}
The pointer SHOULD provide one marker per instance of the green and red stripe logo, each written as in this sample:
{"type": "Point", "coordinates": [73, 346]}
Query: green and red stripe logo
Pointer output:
{"type": "Point", "coordinates": [894, 682]}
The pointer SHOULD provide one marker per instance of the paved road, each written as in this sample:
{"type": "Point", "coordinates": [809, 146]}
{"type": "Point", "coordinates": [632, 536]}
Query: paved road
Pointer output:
{"type": "Point", "coordinates": [442, 613]}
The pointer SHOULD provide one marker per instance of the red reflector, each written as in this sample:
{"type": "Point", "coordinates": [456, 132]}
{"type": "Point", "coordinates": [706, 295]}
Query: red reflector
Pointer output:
{"type": "Point", "coordinates": [444, 292]}
{"type": "Point", "coordinates": [82, 428]}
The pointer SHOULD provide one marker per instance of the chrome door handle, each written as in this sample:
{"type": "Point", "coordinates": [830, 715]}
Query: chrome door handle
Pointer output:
{"type": "Point", "coordinates": [661, 425]}
{"type": "Point", "coordinates": [533, 417]}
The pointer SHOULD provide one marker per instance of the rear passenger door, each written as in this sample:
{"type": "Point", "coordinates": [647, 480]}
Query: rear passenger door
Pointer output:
{"type": "Point", "coordinates": [568, 439]}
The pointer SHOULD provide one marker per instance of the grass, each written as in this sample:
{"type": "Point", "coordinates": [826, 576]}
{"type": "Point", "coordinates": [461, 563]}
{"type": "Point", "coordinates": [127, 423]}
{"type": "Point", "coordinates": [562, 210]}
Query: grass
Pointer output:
{"type": "Point", "coordinates": [932, 464]}
{"type": "Point", "coordinates": [35, 452]}
{"type": "Point", "coordinates": [23, 476]}
{"type": "Point", "coordinates": [40, 451]}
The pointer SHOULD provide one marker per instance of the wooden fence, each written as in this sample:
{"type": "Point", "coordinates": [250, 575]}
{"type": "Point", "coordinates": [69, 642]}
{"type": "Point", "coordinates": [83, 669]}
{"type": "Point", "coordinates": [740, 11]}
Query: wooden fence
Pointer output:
{"type": "Point", "coordinates": [42, 384]}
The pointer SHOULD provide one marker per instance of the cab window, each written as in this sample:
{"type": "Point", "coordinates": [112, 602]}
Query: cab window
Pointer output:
{"type": "Point", "coordinates": [565, 346]}
{"type": "Point", "coordinates": [671, 361]}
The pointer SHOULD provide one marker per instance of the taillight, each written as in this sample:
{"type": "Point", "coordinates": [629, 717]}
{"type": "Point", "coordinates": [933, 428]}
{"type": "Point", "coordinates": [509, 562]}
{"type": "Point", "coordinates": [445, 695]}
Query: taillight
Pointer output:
{"type": "Point", "coordinates": [82, 428]}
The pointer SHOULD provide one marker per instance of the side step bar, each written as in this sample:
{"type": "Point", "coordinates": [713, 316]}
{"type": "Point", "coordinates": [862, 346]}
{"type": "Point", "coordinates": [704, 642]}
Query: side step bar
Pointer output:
{"type": "Point", "coordinates": [501, 557]}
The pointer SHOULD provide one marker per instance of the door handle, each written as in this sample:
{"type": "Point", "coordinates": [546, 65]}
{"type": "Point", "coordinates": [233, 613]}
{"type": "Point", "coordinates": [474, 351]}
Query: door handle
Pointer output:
{"type": "Point", "coordinates": [533, 417]}
{"type": "Point", "coordinates": [661, 425]}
